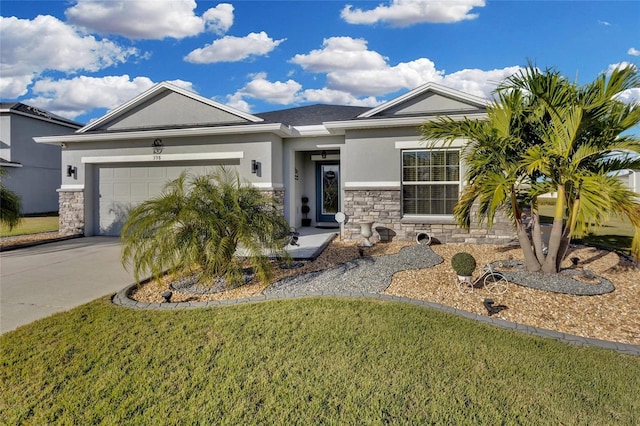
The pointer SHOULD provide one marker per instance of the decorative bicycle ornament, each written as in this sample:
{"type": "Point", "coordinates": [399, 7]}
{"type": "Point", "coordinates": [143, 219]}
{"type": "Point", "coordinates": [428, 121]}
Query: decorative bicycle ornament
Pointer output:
{"type": "Point", "coordinates": [493, 281]}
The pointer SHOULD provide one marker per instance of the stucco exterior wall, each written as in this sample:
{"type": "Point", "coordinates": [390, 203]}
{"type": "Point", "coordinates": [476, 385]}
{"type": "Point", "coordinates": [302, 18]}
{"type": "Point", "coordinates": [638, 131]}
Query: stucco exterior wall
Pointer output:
{"type": "Point", "coordinates": [39, 177]}
{"type": "Point", "coordinates": [170, 109]}
{"type": "Point", "coordinates": [88, 157]}
{"type": "Point", "coordinates": [372, 162]}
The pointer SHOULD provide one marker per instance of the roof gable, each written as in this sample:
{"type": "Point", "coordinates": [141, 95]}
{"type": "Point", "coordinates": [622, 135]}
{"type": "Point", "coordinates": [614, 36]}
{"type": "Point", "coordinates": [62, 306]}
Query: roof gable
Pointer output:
{"type": "Point", "coordinates": [428, 99]}
{"type": "Point", "coordinates": [168, 106]}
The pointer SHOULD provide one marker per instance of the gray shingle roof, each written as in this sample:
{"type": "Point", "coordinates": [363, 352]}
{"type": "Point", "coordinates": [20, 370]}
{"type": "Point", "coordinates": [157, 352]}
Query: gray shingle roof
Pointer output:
{"type": "Point", "coordinates": [37, 112]}
{"type": "Point", "coordinates": [312, 114]}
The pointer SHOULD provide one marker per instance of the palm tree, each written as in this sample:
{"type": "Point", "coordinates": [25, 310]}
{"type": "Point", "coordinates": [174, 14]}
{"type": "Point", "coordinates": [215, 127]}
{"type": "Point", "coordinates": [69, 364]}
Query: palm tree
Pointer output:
{"type": "Point", "coordinates": [197, 225]}
{"type": "Point", "coordinates": [10, 205]}
{"type": "Point", "coordinates": [546, 134]}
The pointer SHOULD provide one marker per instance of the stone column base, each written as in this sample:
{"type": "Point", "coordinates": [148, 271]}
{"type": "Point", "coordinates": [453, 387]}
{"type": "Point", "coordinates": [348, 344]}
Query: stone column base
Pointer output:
{"type": "Point", "coordinates": [71, 212]}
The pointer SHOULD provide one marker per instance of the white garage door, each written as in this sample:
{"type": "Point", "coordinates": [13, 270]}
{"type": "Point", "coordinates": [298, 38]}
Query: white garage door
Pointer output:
{"type": "Point", "coordinates": [121, 187]}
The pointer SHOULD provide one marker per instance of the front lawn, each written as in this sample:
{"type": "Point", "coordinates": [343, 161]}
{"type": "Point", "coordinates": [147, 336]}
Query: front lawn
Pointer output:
{"type": "Point", "coordinates": [308, 361]}
{"type": "Point", "coordinates": [31, 225]}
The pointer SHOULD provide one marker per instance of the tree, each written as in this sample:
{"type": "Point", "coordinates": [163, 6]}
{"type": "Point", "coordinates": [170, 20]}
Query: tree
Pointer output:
{"type": "Point", "coordinates": [197, 225]}
{"type": "Point", "coordinates": [546, 134]}
{"type": "Point", "coordinates": [10, 205]}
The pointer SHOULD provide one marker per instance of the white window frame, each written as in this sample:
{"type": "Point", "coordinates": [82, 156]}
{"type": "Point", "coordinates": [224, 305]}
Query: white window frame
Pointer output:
{"type": "Point", "coordinates": [429, 217]}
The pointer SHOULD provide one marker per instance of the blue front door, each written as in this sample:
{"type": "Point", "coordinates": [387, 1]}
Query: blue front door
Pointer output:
{"type": "Point", "coordinates": [327, 191]}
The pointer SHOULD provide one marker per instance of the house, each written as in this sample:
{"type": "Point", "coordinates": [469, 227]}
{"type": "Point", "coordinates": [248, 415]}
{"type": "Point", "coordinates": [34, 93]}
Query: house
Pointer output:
{"type": "Point", "coordinates": [31, 170]}
{"type": "Point", "coordinates": [368, 163]}
{"type": "Point", "coordinates": [631, 178]}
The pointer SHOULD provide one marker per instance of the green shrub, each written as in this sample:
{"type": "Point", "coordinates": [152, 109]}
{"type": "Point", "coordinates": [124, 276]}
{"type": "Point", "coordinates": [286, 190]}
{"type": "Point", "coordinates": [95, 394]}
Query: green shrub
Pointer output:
{"type": "Point", "coordinates": [463, 263]}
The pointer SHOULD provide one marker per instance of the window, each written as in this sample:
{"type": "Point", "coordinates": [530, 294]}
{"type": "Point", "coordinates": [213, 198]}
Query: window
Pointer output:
{"type": "Point", "coordinates": [430, 182]}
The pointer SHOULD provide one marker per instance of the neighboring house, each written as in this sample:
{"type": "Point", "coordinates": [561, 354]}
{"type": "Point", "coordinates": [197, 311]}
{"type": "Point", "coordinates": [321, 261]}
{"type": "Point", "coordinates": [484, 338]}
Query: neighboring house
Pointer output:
{"type": "Point", "coordinates": [631, 178]}
{"type": "Point", "coordinates": [31, 170]}
{"type": "Point", "coordinates": [369, 163]}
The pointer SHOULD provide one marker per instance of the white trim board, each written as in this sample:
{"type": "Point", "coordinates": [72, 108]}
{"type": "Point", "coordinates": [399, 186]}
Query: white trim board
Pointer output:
{"type": "Point", "coordinates": [380, 184]}
{"type": "Point", "coordinates": [458, 143]}
{"type": "Point", "coordinates": [159, 158]}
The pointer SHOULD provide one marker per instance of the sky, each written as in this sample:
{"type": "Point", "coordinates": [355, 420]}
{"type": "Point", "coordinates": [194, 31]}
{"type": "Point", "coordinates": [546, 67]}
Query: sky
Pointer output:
{"type": "Point", "coordinates": [80, 58]}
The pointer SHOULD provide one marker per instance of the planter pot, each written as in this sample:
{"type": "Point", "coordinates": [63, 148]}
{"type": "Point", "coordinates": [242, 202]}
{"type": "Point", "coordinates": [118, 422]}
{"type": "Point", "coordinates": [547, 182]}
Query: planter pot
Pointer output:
{"type": "Point", "coordinates": [306, 222]}
{"type": "Point", "coordinates": [366, 231]}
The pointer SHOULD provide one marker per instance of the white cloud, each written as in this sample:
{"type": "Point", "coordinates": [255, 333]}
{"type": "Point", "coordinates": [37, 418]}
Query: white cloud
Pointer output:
{"type": "Point", "coordinates": [621, 65]}
{"type": "Point", "coordinates": [144, 19]}
{"type": "Point", "coordinates": [340, 53]}
{"type": "Point", "coordinates": [478, 82]}
{"type": "Point", "coordinates": [405, 75]}
{"type": "Point", "coordinates": [80, 95]}
{"type": "Point", "coordinates": [358, 76]}
{"type": "Point", "coordinates": [30, 47]}
{"type": "Point", "coordinates": [233, 49]}
{"type": "Point", "coordinates": [351, 68]}
{"type": "Point", "coordinates": [219, 19]}
{"type": "Point", "coordinates": [402, 13]}
{"type": "Point", "coordinates": [630, 96]}
{"type": "Point", "coordinates": [338, 97]}
{"type": "Point", "coordinates": [633, 51]}
{"type": "Point", "coordinates": [290, 92]}
{"type": "Point", "coordinates": [605, 23]}
{"type": "Point", "coordinates": [274, 92]}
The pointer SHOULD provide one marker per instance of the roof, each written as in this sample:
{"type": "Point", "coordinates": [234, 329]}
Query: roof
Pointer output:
{"type": "Point", "coordinates": [37, 113]}
{"type": "Point", "coordinates": [312, 114]}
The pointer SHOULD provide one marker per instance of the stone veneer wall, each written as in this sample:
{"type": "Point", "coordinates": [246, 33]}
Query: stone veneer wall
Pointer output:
{"type": "Point", "coordinates": [383, 207]}
{"type": "Point", "coordinates": [278, 196]}
{"type": "Point", "coordinates": [71, 212]}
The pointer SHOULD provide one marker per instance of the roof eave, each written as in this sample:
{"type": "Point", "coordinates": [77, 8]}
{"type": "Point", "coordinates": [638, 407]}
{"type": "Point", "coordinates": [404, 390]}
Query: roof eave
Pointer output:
{"type": "Point", "coordinates": [277, 128]}
{"type": "Point", "coordinates": [338, 127]}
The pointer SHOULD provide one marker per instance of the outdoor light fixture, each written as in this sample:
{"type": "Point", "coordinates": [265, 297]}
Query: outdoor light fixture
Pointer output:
{"type": "Point", "coordinates": [167, 296]}
{"type": "Point", "coordinates": [324, 154]}
{"type": "Point", "coordinates": [254, 166]}
{"type": "Point", "coordinates": [71, 171]}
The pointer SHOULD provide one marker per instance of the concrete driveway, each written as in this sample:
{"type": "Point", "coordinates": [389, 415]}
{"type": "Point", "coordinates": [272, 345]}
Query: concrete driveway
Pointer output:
{"type": "Point", "coordinates": [38, 281]}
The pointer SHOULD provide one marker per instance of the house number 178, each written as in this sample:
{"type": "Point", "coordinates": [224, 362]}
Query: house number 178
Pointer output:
{"type": "Point", "coordinates": [157, 157]}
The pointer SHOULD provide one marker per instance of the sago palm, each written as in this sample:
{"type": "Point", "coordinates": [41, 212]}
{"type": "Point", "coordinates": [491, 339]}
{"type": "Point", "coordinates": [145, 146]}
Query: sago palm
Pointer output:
{"type": "Point", "coordinates": [198, 224]}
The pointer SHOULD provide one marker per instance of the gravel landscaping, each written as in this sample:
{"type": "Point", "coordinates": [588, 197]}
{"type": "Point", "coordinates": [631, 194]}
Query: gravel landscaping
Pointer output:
{"type": "Point", "coordinates": [419, 275]}
{"type": "Point", "coordinates": [611, 314]}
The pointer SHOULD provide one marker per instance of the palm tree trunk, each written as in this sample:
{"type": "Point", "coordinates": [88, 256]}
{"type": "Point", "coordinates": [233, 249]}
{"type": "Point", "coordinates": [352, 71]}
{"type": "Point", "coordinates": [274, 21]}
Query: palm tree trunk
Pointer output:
{"type": "Point", "coordinates": [566, 237]}
{"type": "Point", "coordinates": [530, 261]}
{"type": "Point", "coordinates": [550, 265]}
{"type": "Point", "coordinates": [536, 232]}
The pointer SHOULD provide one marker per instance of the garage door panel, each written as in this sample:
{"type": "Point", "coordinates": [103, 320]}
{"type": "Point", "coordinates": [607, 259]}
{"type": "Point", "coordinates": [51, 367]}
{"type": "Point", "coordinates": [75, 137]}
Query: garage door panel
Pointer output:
{"type": "Point", "coordinates": [155, 172]}
{"type": "Point", "coordinates": [119, 188]}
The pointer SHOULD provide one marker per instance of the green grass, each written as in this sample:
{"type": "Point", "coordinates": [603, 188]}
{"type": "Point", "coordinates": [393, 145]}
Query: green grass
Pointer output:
{"type": "Point", "coordinates": [309, 361]}
{"type": "Point", "coordinates": [616, 234]}
{"type": "Point", "coordinates": [31, 225]}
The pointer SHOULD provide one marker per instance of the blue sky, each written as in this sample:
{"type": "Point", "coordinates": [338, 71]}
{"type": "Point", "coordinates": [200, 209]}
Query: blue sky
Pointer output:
{"type": "Point", "coordinates": [81, 58]}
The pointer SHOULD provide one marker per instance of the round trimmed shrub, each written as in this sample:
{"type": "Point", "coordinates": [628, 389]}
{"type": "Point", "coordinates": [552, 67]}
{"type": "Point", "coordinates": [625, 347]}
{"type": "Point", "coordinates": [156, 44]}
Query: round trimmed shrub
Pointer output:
{"type": "Point", "coordinates": [463, 263]}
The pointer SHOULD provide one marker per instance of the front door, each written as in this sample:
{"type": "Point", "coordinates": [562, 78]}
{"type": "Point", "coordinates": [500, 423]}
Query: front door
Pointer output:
{"type": "Point", "coordinates": [327, 191]}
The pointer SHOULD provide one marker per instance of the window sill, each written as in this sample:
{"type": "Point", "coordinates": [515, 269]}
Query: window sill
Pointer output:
{"type": "Point", "coordinates": [429, 220]}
